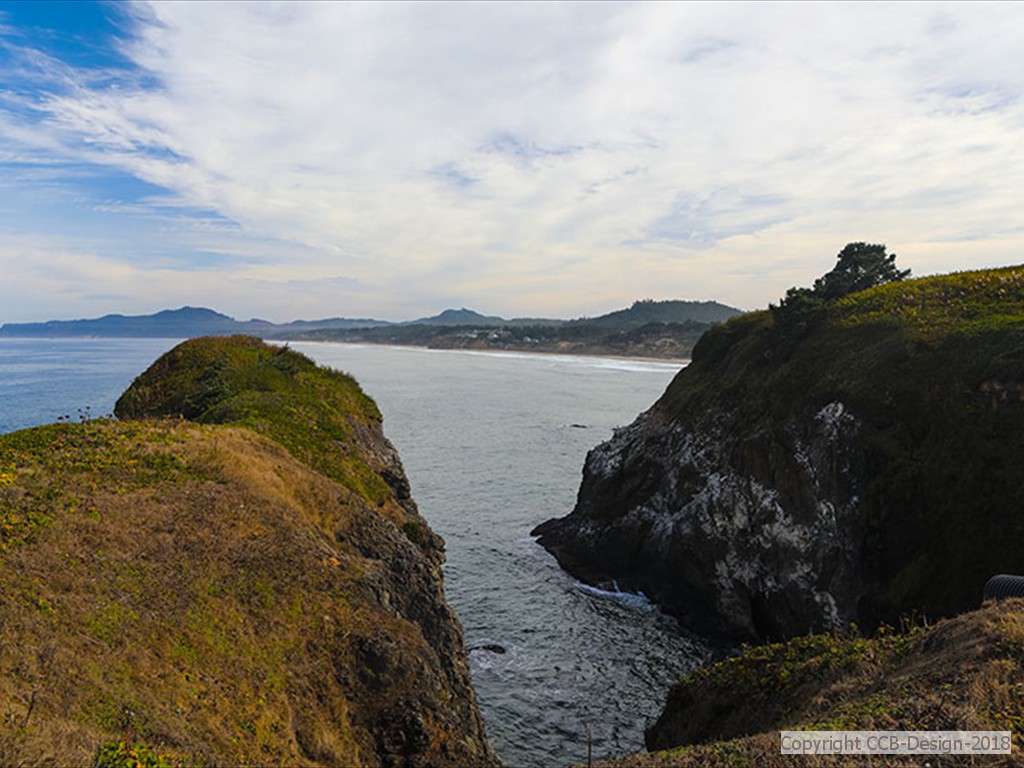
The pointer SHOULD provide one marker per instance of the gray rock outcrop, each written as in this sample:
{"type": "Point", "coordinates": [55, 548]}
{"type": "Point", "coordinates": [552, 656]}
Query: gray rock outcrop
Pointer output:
{"type": "Point", "coordinates": [744, 531]}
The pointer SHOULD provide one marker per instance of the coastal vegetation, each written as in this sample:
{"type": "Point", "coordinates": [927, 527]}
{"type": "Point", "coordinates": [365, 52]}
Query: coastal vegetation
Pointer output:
{"type": "Point", "coordinates": [933, 370]}
{"type": "Point", "coordinates": [963, 673]}
{"type": "Point", "coordinates": [232, 573]}
{"type": "Point", "coordinates": [314, 412]}
{"type": "Point", "coordinates": [850, 457]}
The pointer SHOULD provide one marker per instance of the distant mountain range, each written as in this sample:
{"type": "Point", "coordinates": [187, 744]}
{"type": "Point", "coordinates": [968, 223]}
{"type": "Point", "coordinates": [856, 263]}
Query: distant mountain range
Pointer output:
{"type": "Point", "coordinates": [187, 322]}
{"type": "Point", "coordinates": [173, 323]}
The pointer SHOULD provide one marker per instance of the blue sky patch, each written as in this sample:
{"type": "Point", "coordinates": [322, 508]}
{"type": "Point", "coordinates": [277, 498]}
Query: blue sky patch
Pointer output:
{"type": "Point", "coordinates": [79, 33]}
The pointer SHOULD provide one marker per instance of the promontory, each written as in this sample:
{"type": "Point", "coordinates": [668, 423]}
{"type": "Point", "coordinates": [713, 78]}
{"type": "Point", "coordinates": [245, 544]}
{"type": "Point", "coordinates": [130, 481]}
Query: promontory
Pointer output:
{"type": "Point", "coordinates": [830, 460]}
{"type": "Point", "coordinates": [232, 572]}
{"type": "Point", "coordinates": [828, 478]}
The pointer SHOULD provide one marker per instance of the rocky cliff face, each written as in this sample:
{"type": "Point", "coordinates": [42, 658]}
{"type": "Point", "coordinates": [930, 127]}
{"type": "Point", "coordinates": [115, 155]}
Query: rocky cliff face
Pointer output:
{"type": "Point", "coordinates": [742, 530]}
{"type": "Point", "coordinates": [867, 469]}
{"type": "Point", "coordinates": [252, 585]}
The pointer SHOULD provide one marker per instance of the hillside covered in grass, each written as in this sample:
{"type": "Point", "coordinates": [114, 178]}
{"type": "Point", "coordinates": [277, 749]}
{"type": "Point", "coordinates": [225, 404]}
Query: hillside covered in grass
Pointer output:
{"type": "Point", "coordinates": [821, 462]}
{"type": "Point", "coordinates": [933, 372]}
{"type": "Point", "coordinates": [232, 573]}
{"type": "Point", "coordinates": [964, 673]}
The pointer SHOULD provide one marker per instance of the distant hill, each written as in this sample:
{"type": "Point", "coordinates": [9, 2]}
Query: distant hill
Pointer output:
{"type": "Point", "coordinates": [172, 323]}
{"type": "Point", "coordinates": [649, 311]}
{"type": "Point", "coordinates": [459, 317]}
{"type": "Point", "coordinates": [469, 317]}
{"type": "Point", "coordinates": [189, 322]}
{"type": "Point", "coordinates": [664, 329]}
{"type": "Point", "coordinates": [331, 322]}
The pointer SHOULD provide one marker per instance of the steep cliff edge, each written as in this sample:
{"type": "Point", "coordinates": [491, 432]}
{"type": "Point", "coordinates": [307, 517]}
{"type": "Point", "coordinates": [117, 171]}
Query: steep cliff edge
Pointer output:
{"type": "Point", "coordinates": [244, 581]}
{"type": "Point", "coordinates": [865, 465]}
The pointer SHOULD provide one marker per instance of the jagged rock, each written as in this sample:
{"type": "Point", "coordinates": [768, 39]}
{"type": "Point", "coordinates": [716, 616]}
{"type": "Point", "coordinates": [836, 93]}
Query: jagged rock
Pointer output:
{"type": "Point", "coordinates": [750, 535]}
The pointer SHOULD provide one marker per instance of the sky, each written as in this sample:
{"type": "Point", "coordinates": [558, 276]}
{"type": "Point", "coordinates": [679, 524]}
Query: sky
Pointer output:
{"type": "Point", "coordinates": [389, 160]}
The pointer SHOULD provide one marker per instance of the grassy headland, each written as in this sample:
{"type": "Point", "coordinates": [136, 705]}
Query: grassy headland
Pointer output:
{"type": "Point", "coordinates": [239, 578]}
{"type": "Point", "coordinates": [933, 369]}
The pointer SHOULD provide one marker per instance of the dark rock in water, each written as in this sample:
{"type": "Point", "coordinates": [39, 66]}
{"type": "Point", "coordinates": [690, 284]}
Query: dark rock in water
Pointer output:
{"type": "Point", "coordinates": [864, 466]}
{"type": "Point", "coordinates": [491, 647]}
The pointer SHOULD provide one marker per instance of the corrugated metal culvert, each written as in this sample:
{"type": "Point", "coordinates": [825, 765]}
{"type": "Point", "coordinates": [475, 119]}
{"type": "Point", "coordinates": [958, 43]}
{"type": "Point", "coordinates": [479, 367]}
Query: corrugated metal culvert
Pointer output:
{"type": "Point", "coordinates": [1004, 585]}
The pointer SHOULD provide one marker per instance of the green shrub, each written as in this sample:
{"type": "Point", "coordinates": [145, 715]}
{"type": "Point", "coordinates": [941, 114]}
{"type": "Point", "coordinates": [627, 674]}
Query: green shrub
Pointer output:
{"type": "Point", "coordinates": [121, 754]}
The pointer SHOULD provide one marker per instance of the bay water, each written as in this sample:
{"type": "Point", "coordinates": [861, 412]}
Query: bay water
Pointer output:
{"type": "Point", "coordinates": [493, 444]}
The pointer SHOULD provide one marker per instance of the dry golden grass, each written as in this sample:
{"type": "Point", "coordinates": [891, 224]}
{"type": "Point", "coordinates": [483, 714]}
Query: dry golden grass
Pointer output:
{"type": "Point", "coordinates": [198, 589]}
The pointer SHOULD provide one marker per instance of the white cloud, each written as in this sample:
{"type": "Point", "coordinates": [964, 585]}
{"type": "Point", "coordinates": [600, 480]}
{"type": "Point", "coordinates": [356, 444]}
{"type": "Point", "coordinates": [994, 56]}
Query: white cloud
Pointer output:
{"type": "Point", "coordinates": [558, 158]}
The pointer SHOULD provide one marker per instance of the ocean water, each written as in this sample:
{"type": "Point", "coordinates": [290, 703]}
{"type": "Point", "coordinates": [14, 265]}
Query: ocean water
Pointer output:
{"type": "Point", "coordinates": [43, 380]}
{"type": "Point", "coordinates": [493, 445]}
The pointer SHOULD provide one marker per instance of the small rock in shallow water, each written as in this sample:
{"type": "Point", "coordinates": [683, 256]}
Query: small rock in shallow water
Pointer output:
{"type": "Point", "coordinates": [492, 647]}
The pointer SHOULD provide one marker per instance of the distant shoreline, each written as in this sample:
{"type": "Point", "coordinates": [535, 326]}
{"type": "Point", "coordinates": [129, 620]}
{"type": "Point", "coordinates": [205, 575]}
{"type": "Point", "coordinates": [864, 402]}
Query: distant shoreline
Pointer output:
{"type": "Point", "coordinates": [506, 352]}
{"type": "Point", "coordinates": [422, 347]}
{"type": "Point", "coordinates": [654, 330]}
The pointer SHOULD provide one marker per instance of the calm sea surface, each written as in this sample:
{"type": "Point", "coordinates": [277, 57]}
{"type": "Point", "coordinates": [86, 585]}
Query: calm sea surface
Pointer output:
{"type": "Point", "coordinates": [493, 444]}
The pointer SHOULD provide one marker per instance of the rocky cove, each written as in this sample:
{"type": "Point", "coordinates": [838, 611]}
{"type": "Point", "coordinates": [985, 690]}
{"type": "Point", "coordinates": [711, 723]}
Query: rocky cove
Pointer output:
{"type": "Point", "coordinates": [842, 471]}
{"type": "Point", "coordinates": [235, 570]}
{"type": "Point", "coordinates": [564, 646]}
